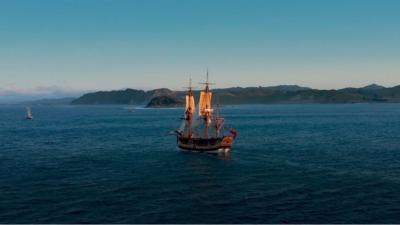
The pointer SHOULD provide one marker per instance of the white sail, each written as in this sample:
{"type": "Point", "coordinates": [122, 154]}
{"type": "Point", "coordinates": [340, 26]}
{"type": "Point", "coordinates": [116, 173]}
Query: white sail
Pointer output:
{"type": "Point", "coordinates": [190, 104]}
{"type": "Point", "coordinates": [28, 113]}
{"type": "Point", "coordinates": [205, 103]}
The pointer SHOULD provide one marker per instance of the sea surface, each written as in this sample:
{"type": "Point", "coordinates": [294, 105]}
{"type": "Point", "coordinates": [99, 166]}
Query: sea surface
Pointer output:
{"type": "Point", "coordinates": [290, 164]}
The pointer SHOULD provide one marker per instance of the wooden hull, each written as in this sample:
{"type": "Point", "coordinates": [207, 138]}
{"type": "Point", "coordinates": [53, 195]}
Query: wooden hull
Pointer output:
{"type": "Point", "coordinates": [205, 145]}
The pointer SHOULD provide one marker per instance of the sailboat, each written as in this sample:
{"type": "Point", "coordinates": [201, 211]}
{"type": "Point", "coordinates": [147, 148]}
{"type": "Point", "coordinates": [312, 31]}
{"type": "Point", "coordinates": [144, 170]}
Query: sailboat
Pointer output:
{"type": "Point", "coordinates": [201, 131]}
{"type": "Point", "coordinates": [130, 107]}
{"type": "Point", "coordinates": [29, 113]}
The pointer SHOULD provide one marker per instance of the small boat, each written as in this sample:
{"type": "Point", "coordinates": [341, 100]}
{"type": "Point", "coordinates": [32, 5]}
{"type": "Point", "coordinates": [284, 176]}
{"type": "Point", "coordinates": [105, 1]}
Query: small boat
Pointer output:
{"type": "Point", "coordinates": [29, 113]}
{"type": "Point", "coordinates": [130, 107]}
{"type": "Point", "coordinates": [202, 131]}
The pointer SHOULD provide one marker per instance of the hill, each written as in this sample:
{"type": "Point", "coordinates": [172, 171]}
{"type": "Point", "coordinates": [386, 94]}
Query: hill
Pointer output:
{"type": "Point", "coordinates": [165, 101]}
{"type": "Point", "coordinates": [249, 95]}
{"type": "Point", "coordinates": [122, 97]}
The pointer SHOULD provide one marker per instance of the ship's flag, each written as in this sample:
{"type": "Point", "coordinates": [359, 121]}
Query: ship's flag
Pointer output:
{"type": "Point", "coordinates": [234, 133]}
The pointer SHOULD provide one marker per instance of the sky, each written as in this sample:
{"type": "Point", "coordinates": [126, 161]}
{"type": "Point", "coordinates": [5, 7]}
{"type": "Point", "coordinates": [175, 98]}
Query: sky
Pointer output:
{"type": "Point", "coordinates": [66, 47]}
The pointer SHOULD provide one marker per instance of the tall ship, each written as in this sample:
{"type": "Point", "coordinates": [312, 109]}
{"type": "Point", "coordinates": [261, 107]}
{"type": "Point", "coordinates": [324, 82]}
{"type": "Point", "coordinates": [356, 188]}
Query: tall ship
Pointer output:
{"type": "Point", "coordinates": [201, 130]}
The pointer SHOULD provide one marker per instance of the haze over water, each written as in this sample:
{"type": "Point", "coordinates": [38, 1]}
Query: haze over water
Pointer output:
{"type": "Point", "coordinates": [290, 164]}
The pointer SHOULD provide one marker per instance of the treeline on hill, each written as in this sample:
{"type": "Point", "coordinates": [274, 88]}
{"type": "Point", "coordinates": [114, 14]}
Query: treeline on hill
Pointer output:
{"type": "Point", "coordinates": [250, 95]}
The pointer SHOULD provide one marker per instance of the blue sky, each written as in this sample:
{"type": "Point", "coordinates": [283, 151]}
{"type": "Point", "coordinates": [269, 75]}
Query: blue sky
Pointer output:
{"type": "Point", "coordinates": [75, 45]}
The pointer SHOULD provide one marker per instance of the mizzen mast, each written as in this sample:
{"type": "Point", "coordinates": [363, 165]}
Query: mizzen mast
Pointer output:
{"type": "Point", "coordinates": [219, 121]}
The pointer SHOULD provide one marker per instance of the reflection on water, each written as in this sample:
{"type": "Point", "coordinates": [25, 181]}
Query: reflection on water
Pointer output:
{"type": "Point", "coordinates": [225, 155]}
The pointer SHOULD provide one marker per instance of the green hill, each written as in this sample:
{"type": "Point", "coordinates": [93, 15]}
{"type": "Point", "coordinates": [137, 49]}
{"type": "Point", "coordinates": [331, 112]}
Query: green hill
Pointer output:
{"type": "Point", "coordinates": [250, 95]}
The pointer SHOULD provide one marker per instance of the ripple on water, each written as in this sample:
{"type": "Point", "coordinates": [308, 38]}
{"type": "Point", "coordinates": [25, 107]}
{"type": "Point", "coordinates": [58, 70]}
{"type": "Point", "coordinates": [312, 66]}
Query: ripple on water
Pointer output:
{"type": "Point", "coordinates": [290, 164]}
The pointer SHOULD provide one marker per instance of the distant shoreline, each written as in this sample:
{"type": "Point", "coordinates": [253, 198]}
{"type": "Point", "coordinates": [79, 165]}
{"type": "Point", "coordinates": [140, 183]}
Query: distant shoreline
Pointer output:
{"type": "Point", "coordinates": [283, 94]}
{"type": "Point", "coordinates": [180, 107]}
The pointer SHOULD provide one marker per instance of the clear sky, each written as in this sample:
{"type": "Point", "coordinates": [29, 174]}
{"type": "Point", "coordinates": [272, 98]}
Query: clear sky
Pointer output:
{"type": "Point", "coordinates": [113, 44]}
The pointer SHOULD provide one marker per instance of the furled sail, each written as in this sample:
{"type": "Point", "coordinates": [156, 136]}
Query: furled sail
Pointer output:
{"type": "Point", "coordinates": [190, 104]}
{"type": "Point", "coordinates": [205, 103]}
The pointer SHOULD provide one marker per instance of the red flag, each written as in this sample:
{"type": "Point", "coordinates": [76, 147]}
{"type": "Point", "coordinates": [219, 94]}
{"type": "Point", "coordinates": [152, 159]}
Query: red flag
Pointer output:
{"type": "Point", "coordinates": [234, 133]}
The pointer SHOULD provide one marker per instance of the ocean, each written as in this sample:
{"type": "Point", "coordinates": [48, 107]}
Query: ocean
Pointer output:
{"type": "Point", "coordinates": [289, 164]}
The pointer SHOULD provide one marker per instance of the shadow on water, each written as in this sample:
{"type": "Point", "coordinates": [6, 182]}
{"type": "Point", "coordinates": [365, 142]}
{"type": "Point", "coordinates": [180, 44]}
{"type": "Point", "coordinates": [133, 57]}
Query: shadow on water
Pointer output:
{"type": "Point", "coordinates": [218, 155]}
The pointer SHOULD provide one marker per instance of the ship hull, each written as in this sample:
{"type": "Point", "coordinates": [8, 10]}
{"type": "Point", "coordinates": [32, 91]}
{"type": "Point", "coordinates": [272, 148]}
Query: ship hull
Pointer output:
{"type": "Point", "coordinates": [205, 145]}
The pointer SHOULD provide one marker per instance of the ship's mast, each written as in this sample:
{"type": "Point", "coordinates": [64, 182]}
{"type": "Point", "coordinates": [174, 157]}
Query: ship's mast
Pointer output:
{"type": "Point", "coordinates": [207, 106]}
{"type": "Point", "coordinates": [205, 110]}
{"type": "Point", "coordinates": [207, 83]}
{"type": "Point", "coordinates": [217, 120]}
{"type": "Point", "coordinates": [189, 109]}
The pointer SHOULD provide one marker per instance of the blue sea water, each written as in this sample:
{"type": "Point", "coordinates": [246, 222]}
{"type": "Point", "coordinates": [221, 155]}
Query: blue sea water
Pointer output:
{"type": "Point", "coordinates": [290, 164]}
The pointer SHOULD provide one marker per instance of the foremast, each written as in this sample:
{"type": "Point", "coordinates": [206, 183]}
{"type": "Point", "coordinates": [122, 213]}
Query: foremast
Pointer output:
{"type": "Point", "coordinates": [189, 109]}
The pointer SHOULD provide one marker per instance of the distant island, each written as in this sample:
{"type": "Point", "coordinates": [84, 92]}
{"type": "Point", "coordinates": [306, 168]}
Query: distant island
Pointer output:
{"type": "Point", "coordinates": [282, 94]}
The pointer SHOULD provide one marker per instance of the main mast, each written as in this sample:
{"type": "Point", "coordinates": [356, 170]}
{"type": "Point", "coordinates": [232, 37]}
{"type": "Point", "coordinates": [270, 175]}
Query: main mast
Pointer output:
{"type": "Point", "coordinates": [205, 110]}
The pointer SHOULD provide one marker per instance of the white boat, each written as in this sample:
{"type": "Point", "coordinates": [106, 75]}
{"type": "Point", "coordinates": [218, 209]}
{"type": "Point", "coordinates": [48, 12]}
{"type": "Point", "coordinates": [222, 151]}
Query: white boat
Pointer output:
{"type": "Point", "coordinates": [130, 107]}
{"type": "Point", "coordinates": [29, 113]}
